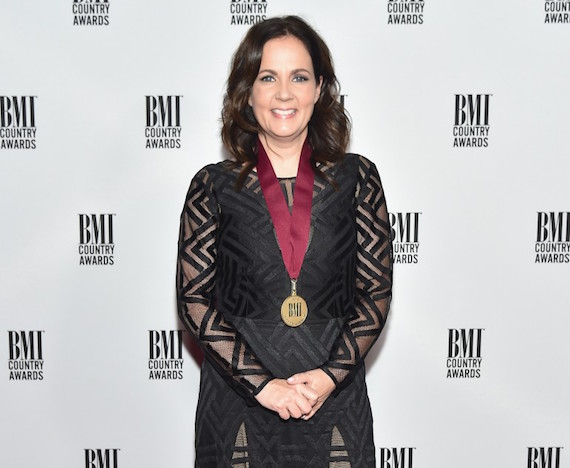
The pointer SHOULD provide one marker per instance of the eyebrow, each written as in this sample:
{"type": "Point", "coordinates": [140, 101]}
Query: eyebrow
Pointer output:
{"type": "Point", "coordinates": [297, 70]}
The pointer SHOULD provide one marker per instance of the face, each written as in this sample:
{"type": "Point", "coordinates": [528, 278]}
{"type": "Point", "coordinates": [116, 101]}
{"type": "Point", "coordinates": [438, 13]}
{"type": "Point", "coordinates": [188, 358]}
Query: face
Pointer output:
{"type": "Point", "coordinates": [285, 91]}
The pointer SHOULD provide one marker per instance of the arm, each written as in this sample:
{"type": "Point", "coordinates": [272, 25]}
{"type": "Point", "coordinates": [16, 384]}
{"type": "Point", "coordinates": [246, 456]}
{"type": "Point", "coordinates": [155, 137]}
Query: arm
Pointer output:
{"type": "Point", "coordinates": [373, 277]}
{"type": "Point", "coordinates": [195, 284]}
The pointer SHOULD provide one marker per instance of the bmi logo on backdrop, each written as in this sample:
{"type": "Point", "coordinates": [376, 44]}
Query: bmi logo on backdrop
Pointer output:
{"type": "Point", "coordinates": [102, 458]}
{"type": "Point", "coordinates": [397, 457]}
{"type": "Point", "coordinates": [557, 11]}
{"type": "Point", "coordinates": [544, 457]}
{"type": "Point", "coordinates": [165, 360]}
{"type": "Point", "coordinates": [90, 12]}
{"type": "Point", "coordinates": [471, 129]}
{"type": "Point", "coordinates": [464, 353]}
{"type": "Point", "coordinates": [405, 231]}
{"type": "Point", "coordinates": [247, 12]}
{"type": "Point", "coordinates": [538, 457]}
{"type": "Point", "coordinates": [96, 240]}
{"type": "Point", "coordinates": [18, 122]}
{"type": "Point", "coordinates": [552, 237]}
{"type": "Point", "coordinates": [163, 129]}
{"type": "Point", "coordinates": [405, 11]}
{"type": "Point", "coordinates": [25, 354]}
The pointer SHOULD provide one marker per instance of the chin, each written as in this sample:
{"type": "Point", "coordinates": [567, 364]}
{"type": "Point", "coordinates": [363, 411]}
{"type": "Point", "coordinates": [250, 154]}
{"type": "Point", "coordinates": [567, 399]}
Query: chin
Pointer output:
{"type": "Point", "coordinates": [287, 133]}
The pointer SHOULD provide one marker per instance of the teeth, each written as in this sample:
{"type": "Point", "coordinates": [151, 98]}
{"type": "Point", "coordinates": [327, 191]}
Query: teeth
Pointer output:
{"type": "Point", "coordinates": [284, 112]}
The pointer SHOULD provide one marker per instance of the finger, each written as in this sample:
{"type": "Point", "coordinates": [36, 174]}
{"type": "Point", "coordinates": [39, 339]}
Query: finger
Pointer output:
{"type": "Point", "coordinates": [313, 411]}
{"type": "Point", "coordinates": [284, 414]}
{"type": "Point", "coordinates": [301, 378]}
{"type": "Point", "coordinates": [304, 406]}
{"type": "Point", "coordinates": [311, 395]}
{"type": "Point", "coordinates": [308, 416]}
{"type": "Point", "coordinates": [307, 392]}
{"type": "Point", "coordinates": [295, 411]}
{"type": "Point", "coordinates": [292, 380]}
{"type": "Point", "coordinates": [310, 399]}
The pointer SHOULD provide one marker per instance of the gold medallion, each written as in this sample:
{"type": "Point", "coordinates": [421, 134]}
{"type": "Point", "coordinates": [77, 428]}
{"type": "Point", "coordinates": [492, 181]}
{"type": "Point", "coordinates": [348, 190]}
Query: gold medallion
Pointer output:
{"type": "Point", "coordinates": [294, 309]}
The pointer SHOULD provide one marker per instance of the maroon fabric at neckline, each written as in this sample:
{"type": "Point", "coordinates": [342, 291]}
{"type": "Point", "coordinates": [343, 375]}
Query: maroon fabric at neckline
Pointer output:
{"type": "Point", "coordinates": [293, 228]}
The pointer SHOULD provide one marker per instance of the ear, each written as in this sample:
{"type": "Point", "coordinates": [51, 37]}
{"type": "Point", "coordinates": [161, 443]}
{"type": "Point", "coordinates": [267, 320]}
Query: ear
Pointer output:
{"type": "Point", "coordinates": [249, 100]}
{"type": "Point", "coordinates": [318, 90]}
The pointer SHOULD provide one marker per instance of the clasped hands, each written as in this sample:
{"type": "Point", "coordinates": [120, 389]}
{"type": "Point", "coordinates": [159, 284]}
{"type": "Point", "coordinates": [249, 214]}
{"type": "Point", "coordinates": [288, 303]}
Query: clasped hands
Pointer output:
{"type": "Point", "coordinates": [300, 396]}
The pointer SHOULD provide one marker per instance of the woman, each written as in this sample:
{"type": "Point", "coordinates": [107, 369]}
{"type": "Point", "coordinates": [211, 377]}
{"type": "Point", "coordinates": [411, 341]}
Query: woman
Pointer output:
{"type": "Point", "coordinates": [284, 270]}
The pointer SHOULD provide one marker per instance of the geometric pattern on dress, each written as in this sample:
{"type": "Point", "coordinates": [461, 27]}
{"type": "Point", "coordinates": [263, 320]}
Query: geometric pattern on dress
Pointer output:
{"type": "Point", "coordinates": [196, 273]}
{"type": "Point", "coordinates": [240, 457]}
{"type": "Point", "coordinates": [339, 456]}
{"type": "Point", "coordinates": [373, 276]}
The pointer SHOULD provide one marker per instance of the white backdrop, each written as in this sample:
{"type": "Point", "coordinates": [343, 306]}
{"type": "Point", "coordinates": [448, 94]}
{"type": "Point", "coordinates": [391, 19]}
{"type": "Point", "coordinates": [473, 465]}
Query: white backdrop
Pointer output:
{"type": "Point", "coordinates": [87, 327]}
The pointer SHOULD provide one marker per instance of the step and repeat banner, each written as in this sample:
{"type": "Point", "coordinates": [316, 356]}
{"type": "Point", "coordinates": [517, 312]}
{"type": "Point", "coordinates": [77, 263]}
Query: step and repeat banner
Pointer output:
{"type": "Point", "coordinates": [108, 108]}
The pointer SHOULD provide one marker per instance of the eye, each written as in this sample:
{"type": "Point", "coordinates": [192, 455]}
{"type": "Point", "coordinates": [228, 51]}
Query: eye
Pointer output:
{"type": "Point", "coordinates": [300, 78]}
{"type": "Point", "coordinates": [267, 78]}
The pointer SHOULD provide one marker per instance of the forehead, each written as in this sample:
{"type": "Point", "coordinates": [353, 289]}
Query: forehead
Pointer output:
{"type": "Point", "coordinates": [286, 50]}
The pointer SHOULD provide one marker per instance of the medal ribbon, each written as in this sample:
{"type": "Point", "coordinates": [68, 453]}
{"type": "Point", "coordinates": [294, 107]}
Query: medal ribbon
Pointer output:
{"type": "Point", "coordinates": [293, 228]}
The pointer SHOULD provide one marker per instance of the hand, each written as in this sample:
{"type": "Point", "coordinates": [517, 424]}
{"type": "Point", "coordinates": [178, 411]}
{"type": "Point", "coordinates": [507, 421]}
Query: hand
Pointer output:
{"type": "Point", "coordinates": [317, 380]}
{"type": "Point", "coordinates": [288, 400]}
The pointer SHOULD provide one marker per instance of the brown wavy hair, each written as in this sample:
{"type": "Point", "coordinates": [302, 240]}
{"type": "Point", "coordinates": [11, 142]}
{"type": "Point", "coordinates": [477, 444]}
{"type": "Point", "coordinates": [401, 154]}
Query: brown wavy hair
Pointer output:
{"type": "Point", "coordinates": [329, 127]}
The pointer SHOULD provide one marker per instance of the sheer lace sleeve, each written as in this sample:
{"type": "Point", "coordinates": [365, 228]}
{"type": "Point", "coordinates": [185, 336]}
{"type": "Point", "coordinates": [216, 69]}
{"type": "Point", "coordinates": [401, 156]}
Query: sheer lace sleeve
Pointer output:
{"type": "Point", "coordinates": [195, 284]}
{"type": "Point", "coordinates": [373, 277]}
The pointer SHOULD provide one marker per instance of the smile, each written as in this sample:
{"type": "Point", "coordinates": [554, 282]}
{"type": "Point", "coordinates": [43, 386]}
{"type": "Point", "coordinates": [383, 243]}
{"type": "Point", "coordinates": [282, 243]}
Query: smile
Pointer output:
{"type": "Point", "coordinates": [284, 112]}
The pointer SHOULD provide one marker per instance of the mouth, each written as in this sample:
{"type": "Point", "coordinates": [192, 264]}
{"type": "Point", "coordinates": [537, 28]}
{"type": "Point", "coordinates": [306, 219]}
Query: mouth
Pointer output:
{"type": "Point", "coordinates": [284, 112]}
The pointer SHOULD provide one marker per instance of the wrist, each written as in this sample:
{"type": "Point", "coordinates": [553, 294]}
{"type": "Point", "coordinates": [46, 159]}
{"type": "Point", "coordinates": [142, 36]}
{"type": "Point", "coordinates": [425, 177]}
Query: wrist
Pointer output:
{"type": "Point", "coordinates": [330, 376]}
{"type": "Point", "coordinates": [262, 385]}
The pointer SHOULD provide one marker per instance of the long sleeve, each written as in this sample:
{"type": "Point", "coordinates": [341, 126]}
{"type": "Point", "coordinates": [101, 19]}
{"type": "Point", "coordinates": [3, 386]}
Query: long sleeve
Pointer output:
{"type": "Point", "coordinates": [195, 284]}
{"type": "Point", "coordinates": [373, 277]}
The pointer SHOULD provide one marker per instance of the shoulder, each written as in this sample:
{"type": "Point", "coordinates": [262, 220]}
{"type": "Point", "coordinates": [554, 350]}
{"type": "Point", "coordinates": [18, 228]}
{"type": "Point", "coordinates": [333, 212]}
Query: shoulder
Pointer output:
{"type": "Point", "coordinates": [364, 176]}
{"type": "Point", "coordinates": [211, 175]}
{"type": "Point", "coordinates": [213, 170]}
{"type": "Point", "coordinates": [204, 184]}
{"type": "Point", "coordinates": [357, 166]}
{"type": "Point", "coordinates": [359, 162]}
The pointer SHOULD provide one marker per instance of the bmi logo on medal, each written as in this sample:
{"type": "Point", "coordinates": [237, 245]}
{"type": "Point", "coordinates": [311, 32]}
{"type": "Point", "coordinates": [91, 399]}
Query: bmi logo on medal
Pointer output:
{"type": "Point", "coordinates": [25, 355]}
{"type": "Point", "coordinates": [96, 240]}
{"type": "Point", "coordinates": [471, 129]}
{"type": "Point", "coordinates": [90, 12]}
{"type": "Point", "coordinates": [397, 457]}
{"type": "Point", "coordinates": [102, 458]}
{"type": "Point", "coordinates": [163, 129]}
{"type": "Point", "coordinates": [18, 122]}
{"type": "Point", "coordinates": [405, 11]}
{"type": "Point", "coordinates": [552, 237]}
{"type": "Point", "coordinates": [464, 353]}
{"type": "Point", "coordinates": [405, 236]}
{"type": "Point", "coordinates": [557, 11]}
{"type": "Point", "coordinates": [165, 360]}
{"type": "Point", "coordinates": [247, 12]}
{"type": "Point", "coordinates": [544, 457]}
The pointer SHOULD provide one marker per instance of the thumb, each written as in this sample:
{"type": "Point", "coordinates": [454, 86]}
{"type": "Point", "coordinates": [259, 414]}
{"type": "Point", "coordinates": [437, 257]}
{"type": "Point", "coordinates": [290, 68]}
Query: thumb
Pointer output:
{"type": "Point", "coordinates": [301, 378]}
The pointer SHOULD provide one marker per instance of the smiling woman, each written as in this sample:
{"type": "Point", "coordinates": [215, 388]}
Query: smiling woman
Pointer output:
{"type": "Point", "coordinates": [329, 128]}
{"type": "Point", "coordinates": [284, 266]}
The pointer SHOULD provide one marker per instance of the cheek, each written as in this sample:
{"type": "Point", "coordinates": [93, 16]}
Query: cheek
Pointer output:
{"type": "Point", "coordinates": [257, 99]}
{"type": "Point", "coordinates": [317, 96]}
{"type": "Point", "coordinates": [311, 99]}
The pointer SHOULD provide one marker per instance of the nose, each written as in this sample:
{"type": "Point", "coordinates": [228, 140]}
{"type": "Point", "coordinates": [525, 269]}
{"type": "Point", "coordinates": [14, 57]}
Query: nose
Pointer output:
{"type": "Point", "coordinates": [283, 90]}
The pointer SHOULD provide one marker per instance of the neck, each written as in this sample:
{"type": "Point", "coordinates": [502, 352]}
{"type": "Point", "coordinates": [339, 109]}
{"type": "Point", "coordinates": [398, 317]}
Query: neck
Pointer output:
{"type": "Point", "coordinates": [284, 157]}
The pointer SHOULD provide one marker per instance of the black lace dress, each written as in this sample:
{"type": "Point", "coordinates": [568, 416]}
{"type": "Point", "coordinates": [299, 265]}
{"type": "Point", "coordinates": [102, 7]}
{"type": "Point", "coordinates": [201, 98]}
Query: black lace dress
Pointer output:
{"type": "Point", "coordinates": [231, 282]}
